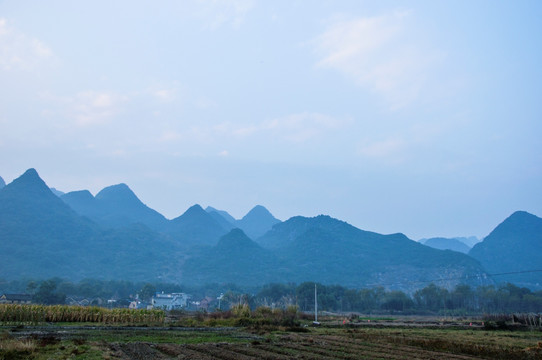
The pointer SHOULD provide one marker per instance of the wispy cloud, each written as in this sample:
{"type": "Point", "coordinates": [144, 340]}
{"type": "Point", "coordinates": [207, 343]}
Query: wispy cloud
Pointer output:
{"type": "Point", "coordinates": [93, 108]}
{"type": "Point", "coordinates": [19, 51]}
{"type": "Point", "coordinates": [85, 108]}
{"type": "Point", "coordinates": [296, 128]}
{"type": "Point", "coordinates": [378, 53]}
{"type": "Point", "coordinates": [391, 149]}
{"type": "Point", "coordinates": [216, 13]}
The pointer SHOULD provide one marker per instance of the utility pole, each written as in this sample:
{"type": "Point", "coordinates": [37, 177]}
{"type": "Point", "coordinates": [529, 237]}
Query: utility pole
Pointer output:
{"type": "Point", "coordinates": [315, 322]}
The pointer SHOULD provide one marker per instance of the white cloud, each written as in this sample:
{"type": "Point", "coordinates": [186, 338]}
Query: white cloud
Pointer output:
{"type": "Point", "coordinates": [94, 108]}
{"type": "Point", "coordinates": [379, 53]}
{"type": "Point", "coordinates": [20, 52]}
{"type": "Point", "coordinates": [86, 108]}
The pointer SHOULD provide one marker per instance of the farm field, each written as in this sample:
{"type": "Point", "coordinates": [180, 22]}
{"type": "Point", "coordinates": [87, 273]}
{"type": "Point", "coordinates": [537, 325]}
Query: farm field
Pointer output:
{"type": "Point", "coordinates": [338, 342]}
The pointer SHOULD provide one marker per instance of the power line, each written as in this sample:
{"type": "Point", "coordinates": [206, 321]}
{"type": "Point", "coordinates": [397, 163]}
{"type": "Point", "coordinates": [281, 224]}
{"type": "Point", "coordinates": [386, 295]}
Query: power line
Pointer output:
{"type": "Point", "coordinates": [467, 277]}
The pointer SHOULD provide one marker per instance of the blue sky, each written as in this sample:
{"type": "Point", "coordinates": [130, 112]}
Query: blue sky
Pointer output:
{"type": "Point", "coordinates": [420, 117]}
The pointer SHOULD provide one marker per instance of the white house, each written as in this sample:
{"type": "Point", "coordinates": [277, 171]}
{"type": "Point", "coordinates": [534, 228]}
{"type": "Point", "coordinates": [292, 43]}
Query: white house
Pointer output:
{"type": "Point", "coordinates": [175, 301]}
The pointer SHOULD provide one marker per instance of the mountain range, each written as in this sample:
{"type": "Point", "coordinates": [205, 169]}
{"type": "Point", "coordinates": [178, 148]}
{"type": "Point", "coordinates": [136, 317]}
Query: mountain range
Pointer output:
{"type": "Point", "coordinates": [114, 235]}
{"type": "Point", "coordinates": [455, 244]}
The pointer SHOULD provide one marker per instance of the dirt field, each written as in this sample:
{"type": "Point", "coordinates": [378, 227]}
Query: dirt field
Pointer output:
{"type": "Point", "coordinates": [56, 342]}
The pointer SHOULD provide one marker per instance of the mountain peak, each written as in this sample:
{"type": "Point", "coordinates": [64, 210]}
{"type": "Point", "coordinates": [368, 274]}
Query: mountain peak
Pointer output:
{"type": "Point", "coordinates": [509, 247]}
{"type": "Point", "coordinates": [29, 176]}
{"type": "Point", "coordinates": [2, 182]}
{"type": "Point", "coordinates": [30, 183]}
{"type": "Point", "coordinates": [222, 213]}
{"type": "Point", "coordinates": [258, 211]}
{"type": "Point", "coordinates": [257, 222]}
{"type": "Point", "coordinates": [236, 238]}
{"type": "Point", "coordinates": [519, 220]}
{"type": "Point", "coordinates": [194, 209]}
{"type": "Point", "coordinates": [117, 192]}
{"type": "Point", "coordinates": [520, 214]}
{"type": "Point", "coordinates": [31, 172]}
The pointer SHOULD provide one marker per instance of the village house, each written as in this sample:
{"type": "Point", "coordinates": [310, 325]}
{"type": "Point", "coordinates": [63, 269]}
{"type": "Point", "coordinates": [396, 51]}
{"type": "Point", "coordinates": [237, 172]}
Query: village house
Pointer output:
{"type": "Point", "coordinates": [136, 304]}
{"type": "Point", "coordinates": [174, 301]}
{"type": "Point", "coordinates": [16, 299]}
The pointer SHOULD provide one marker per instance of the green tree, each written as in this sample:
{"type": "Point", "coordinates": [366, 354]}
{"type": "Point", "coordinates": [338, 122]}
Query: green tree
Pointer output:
{"type": "Point", "coordinates": [47, 294]}
{"type": "Point", "coordinates": [147, 292]}
{"type": "Point", "coordinates": [31, 287]}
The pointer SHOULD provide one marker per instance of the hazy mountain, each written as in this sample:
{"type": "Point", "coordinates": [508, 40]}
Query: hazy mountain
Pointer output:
{"type": "Point", "coordinates": [82, 202]}
{"type": "Point", "coordinates": [331, 251]}
{"type": "Point", "coordinates": [257, 222]}
{"type": "Point", "coordinates": [469, 241]}
{"type": "Point", "coordinates": [114, 206]}
{"type": "Point", "coordinates": [2, 182]}
{"type": "Point", "coordinates": [196, 227]}
{"type": "Point", "coordinates": [57, 192]}
{"type": "Point", "coordinates": [234, 259]}
{"type": "Point", "coordinates": [514, 245]}
{"type": "Point", "coordinates": [222, 217]}
{"type": "Point", "coordinates": [447, 244]}
{"type": "Point", "coordinates": [222, 213]}
{"type": "Point", "coordinates": [43, 237]}
{"type": "Point", "coordinates": [38, 230]}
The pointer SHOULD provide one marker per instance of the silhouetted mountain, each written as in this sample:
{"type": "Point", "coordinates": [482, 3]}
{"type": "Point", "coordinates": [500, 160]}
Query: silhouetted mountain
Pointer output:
{"type": "Point", "coordinates": [114, 206]}
{"type": "Point", "coordinates": [2, 182]}
{"type": "Point", "coordinates": [43, 237]}
{"type": "Point", "coordinates": [234, 259]}
{"type": "Point", "coordinates": [57, 192]}
{"type": "Point", "coordinates": [222, 213]}
{"type": "Point", "coordinates": [37, 229]}
{"type": "Point", "coordinates": [196, 227]}
{"type": "Point", "coordinates": [82, 202]}
{"type": "Point", "coordinates": [221, 218]}
{"type": "Point", "coordinates": [469, 241]}
{"type": "Point", "coordinates": [514, 245]}
{"type": "Point", "coordinates": [257, 222]}
{"type": "Point", "coordinates": [331, 251]}
{"type": "Point", "coordinates": [447, 244]}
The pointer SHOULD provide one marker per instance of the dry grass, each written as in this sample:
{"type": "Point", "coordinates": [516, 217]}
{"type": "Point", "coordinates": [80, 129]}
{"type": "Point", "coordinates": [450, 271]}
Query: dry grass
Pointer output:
{"type": "Point", "coordinates": [23, 345]}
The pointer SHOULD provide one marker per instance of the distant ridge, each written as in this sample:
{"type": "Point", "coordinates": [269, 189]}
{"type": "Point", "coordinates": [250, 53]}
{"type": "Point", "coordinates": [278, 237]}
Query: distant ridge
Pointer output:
{"type": "Point", "coordinates": [196, 227]}
{"type": "Point", "coordinates": [222, 217]}
{"type": "Point", "coordinates": [2, 182]}
{"type": "Point", "coordinates": [57, 192]}
{"type": "Point", "coordinates": [254, 224]}
{"type": "Point", "coordinates": [257, 222]}
{"type": "Point", "coordinates": [447, 244]}
{"type": "Point", "coordinates": [114, 206]}
{"type": "Point", "coordinates": [222, 213]}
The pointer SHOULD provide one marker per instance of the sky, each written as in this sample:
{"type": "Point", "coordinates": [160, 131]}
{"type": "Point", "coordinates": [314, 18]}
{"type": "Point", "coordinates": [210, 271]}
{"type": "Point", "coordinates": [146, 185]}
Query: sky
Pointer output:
{"type": "Point", "coordinates": [420, 117]}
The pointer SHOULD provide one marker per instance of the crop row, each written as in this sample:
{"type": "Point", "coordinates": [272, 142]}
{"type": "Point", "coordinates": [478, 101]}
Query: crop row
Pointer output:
{"type": "Point", "coordinates": [65, 313]}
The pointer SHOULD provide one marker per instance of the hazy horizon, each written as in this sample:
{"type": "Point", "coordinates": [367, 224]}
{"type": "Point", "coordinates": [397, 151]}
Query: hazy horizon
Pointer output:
{"type": "Point", "coordinates": [421, 118]}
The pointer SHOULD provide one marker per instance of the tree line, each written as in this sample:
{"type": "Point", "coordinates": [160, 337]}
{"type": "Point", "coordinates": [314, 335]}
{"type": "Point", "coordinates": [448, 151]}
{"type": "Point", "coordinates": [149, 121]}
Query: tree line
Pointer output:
{"type": "Point", "coordinates": [432, 299]}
